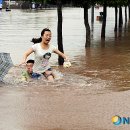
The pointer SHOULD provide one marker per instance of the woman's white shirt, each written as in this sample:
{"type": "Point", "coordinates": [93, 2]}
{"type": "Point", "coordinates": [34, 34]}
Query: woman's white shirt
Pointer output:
{"type": "Point", "coordinates": [42, 57]}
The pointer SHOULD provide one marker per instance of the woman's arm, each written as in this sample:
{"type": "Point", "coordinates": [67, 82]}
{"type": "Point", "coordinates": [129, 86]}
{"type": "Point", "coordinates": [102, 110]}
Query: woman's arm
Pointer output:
{"type": "Point", "coordinates": [61, 54]}
{"type": "Point", "coordinates": [26, 54]}
{"type": "Point", "coordinates": [67, 62]}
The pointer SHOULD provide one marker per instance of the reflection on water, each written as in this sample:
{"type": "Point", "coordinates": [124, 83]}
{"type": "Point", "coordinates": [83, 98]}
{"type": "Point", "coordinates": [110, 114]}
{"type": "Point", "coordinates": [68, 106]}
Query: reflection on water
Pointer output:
{"type": "Point", "coordinates": [110, 63]}
{"type": "Point", "coordinates": [18, 27]}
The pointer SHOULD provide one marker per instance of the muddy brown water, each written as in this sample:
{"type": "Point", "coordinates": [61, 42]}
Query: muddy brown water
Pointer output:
{"type": "Point", "coordinates": [67, 103]}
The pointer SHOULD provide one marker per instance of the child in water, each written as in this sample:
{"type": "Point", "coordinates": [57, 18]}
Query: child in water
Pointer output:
{"type": "Point", "coordinates": [29, 74]}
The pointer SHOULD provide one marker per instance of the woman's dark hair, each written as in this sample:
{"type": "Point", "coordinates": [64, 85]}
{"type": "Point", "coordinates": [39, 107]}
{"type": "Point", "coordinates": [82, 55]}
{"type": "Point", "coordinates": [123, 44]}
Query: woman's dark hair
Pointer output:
{"type": "Point", "coordinates": [38, 40]}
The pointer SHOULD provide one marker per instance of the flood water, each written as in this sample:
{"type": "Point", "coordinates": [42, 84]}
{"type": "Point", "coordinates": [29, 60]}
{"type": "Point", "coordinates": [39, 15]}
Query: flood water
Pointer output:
{"type": "Point", "coordinates": [108, 61]}
{"type": "Point", "coordinates": [102, 68]}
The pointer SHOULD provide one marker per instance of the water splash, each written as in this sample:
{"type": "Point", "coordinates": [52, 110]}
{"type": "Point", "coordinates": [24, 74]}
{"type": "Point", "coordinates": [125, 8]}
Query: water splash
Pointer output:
{"type": "Point", "coordinates": [68, 81]}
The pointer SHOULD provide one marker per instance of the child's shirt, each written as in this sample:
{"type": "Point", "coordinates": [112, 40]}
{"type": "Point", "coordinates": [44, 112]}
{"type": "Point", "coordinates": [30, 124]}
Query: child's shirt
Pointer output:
{"type": "Point", "coordinates": [26, 75]}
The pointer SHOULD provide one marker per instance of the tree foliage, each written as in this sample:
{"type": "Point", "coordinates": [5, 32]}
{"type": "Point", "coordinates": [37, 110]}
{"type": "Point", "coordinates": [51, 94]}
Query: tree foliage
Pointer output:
{"type": "Point", "coordinates": [113, 3]}
{"type": "Point", "coordinates": [81, 3]}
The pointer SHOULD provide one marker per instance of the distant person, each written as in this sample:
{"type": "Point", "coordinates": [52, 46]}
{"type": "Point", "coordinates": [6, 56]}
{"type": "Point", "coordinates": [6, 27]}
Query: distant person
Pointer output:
{"type": "Point", "coordinates": [28, 73]}
{"type": "Point", "coordinates": [43, 50]}
{"type": "Point", "coordinates": [33, 5]}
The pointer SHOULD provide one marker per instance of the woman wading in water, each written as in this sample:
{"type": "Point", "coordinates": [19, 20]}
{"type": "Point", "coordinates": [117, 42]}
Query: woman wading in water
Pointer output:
{"type": "Point", "coordinates": [43, 50]}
